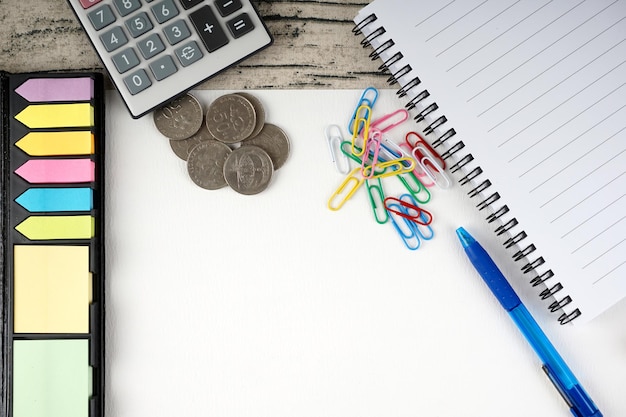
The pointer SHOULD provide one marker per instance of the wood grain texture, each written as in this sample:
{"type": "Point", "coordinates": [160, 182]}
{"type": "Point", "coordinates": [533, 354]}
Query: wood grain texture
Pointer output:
{"type": "Point", "coordinates": [314, 46]}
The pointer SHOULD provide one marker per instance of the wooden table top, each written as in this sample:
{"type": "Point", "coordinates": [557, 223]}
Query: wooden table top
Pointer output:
{"type": "Point", "coordinates": [314, 47]}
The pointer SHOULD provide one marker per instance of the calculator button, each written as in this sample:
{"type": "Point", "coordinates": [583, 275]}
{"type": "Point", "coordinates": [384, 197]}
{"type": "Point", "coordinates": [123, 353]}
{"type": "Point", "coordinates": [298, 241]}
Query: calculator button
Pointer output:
{"type": "Point", "coordinates": [240, 25]}
{"type": "Point", "coordinates": [88, 3]}
{"type": "Point", "coordinates": [138, 24]}
{"type": "Point", "coordinates": [164, 11]}
{"type": "Point", "coordinates": [188, 53]}
{"type": "Point", "coordinates": [227, 7]}
{"type": "Point", "coordinates": [209, 29]}
{"type": "Point", "coordinates": [188, 4]}
{"type": "Point", "coordinates": [125, 60]}
{"type": "Point", "coordinates": [113, 39]}
{"type": "Point", "coordinates": [101, 17]}
{"type": "Point", "coordinates": [137, 82]}
{"type": "Point", "coordinates": [163, 67]}
{"type": "Point", "coordinates": [176, 32]}
{"type": "Point", "coordinates": [151, 46]}
{"type": "Point", "coordinates": [126, 7]}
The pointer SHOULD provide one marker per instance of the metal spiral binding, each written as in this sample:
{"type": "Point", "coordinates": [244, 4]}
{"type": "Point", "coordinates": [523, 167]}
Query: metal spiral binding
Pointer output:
{"type": "Point", "coordinates": [462, 163]}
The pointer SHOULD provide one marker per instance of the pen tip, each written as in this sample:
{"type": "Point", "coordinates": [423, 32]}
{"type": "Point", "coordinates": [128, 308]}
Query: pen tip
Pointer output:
{"type": "Point", "coordinates": [465, 238]}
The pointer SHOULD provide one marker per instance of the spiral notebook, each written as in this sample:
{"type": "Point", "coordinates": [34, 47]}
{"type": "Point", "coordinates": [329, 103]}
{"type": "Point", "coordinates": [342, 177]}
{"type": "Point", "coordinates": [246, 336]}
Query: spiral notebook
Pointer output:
{"type": "Point", "coordinates": [525, 98]}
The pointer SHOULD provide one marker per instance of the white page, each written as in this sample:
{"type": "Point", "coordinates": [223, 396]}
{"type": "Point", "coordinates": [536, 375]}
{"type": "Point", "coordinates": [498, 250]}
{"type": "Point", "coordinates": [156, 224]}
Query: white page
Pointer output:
{"type": "Point", "coordinates": [535, 89]}
{"type": "Point", "coordinates": [220, 304]}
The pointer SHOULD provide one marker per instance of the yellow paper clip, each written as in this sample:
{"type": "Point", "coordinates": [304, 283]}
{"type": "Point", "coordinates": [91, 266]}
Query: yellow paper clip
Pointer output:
{"type": "Point", "coordinates": [364, 123]}
{"type": "Point", "coordinates": [397, 166]}
{"type": "Point", "coordinates": [429, 165]}
{"type": "Point", "coordinates": [334, 140]}
{"type": "Point", "coordinates": [345, 190]}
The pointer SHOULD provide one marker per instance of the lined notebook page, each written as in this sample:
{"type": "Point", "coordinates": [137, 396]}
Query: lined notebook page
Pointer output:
{"type": "Point", "coordinates": [535, 89]}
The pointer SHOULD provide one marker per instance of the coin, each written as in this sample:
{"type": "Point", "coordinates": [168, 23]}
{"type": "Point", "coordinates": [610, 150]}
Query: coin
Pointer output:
{"type": "Point", "coordinates": [179, 119]}
{"type": "Point", "coordinates": [248, 170]}
{"type": "Point", "coordinates": [231, 118]}
{"type": "Point", "coordinates": [182, 147]}
{"type": "Point", "coordinates": [259, 111]}
{"type": "Point", "coordinates": [205, 164]}
{"type": "Point", "coordinates": [272, 140]}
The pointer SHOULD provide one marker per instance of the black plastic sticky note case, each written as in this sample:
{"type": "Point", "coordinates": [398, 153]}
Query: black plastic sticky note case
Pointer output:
{"type": "Point", "coordinates": [52, 286]}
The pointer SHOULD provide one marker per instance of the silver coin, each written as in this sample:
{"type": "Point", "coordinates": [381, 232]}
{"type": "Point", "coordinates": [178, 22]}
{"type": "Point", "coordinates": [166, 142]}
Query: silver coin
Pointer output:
{"type": "Point", "coordinates": [182, 148]}
{"type": "Point", "coordinates": [231, 118]}
{"type": "Point", "coordinates": [259, 110]}
{"type": "Point", "coordinates": [274, 141]}
{"type": "Point", "coordinates": [248, 170]}
{"type": "Point", "coordinates": [205, 164]}
{"type": "Point", "coordinates": [179, 119]}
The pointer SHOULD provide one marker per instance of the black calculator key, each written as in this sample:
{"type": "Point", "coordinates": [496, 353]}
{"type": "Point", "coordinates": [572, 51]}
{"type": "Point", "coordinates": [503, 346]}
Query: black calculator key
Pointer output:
{"type": "Point", "coordinates": [240, 25]}
{"type": "Point", "coordinates": [209, 29]}
{"type": "Point", "coordinates": [188, 4]}
{"type": "Point", "coordinates": [227, 7]}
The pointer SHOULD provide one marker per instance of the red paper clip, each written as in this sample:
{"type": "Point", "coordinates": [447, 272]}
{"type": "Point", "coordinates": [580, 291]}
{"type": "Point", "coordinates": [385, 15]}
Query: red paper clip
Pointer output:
{"type": "Point", "coordinates": [412, 212]}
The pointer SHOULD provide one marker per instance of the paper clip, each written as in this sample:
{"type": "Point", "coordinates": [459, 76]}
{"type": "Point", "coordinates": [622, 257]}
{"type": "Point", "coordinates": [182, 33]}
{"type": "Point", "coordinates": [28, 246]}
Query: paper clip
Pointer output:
{"type": "Point", "coordinates": [349, 154]}
{"type": "Point", "coordinates": [368, 98]}
{"type": "Point", "coordinates": [403, 227]}
{"type": "Point", "coordinates": [393, 151]}
{"type": "Point", "coordinates": [418, 171]}
{"type": "Point", "coordinates": [436, 175]}
{"type": "Point", "coordinates": [418, 190]}
{"type": "Point", "coordinates": [345, 191]}
{"type": "Point", "coordinates": [398, 166]}
{"type": "Point", "coordinates": [409, 209]}
{"type": "Point", "coordinates": [372, 147]}
{"type": "Point", "coordinates": [377, 200]}
{"type": "Point", "coordinates": [334, 140]}
{"type": "Point", "coordinates": [400, 114]}
{"type": "Point", "coordinates": [424, 224]}
{"type": "Point", "coordinates": [365, 121]}
{"type": "Point", "coordinates": [420, 141]}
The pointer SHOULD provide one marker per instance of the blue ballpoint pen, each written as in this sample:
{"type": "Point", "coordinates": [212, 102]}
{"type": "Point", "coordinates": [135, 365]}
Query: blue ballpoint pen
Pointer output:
{"type": "Point", "coordinates": [577, 399]}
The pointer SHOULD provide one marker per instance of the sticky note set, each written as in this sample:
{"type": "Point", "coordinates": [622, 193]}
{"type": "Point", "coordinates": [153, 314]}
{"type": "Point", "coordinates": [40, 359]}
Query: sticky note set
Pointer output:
{"type": "Point", "coordinates": [51, 378]}
{"type": "Point", "coordinates": [53, 181]}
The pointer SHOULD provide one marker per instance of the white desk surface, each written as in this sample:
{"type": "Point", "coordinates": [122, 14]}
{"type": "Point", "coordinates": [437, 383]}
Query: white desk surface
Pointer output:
{"type": "Point", "coordinates": [220, 304]}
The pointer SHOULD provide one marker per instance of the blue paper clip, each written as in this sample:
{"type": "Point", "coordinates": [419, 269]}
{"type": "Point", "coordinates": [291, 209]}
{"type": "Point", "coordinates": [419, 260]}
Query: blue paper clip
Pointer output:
{"type": "Point", "coordinates": [377, 200]}
{"type": "Point", "coordinates": [403, 227]}
{"type": "Point", "coordinates": [334, 140]}
{"type": "Point", "coordinates": [426, 220]}
{"type": "Point", "coordinates": [368, 98]}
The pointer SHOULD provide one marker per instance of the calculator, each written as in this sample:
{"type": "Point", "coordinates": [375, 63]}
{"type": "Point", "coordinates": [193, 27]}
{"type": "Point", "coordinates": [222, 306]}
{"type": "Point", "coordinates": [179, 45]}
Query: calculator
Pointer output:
{"type": "Point", "coordinates": [156, 50]}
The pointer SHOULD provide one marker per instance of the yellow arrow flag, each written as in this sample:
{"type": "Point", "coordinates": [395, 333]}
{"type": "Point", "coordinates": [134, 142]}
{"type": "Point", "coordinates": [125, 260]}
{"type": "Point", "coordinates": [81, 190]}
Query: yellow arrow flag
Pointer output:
{"type": "Point", "coordinates": [57, 227]}
{"type": "Point", "coordinates": [57, 143]}
{"type": "Point", "coordinates": [38, 116]}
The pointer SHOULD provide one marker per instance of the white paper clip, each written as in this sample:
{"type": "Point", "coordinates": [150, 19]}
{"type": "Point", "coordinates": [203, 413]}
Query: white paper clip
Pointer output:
{"type": "Point", "coordinates": [334, 140]}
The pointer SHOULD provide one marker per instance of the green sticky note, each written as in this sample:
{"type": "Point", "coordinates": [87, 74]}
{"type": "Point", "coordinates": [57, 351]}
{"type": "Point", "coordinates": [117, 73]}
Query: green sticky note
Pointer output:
{"type": "Point", "coordinates": [51, 378]}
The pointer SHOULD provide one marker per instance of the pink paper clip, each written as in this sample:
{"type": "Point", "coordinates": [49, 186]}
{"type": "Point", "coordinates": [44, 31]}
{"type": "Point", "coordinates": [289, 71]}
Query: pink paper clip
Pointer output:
{"type": "Point", "coordinates": [420, 141]}
{"type": "Point", "coordinates": [393, 119]}
{"type": "Point", "coordinates": [409, 210]}
{"type": "Point", "coordinates": [372, 146]}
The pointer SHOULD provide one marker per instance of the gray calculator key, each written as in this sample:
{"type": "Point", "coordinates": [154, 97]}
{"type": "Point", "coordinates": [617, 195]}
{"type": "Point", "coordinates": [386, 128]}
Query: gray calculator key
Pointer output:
{"type": "Point", "coordinates": [101, 17]}
{"type": "Point", "coordinates": [240, 25]}
{"type": "Point", "coordinates": [139, 24]}
{"type": "Point", "coordinates": [188, 53]}
{"type": "Point", "coordinates": [227, 7]}
{"type": "Point", "coordinates": [164, 11]}
{"type": "Point", "coordinates": [126, 7]}
{"type": "Point", "coordinates": [125, 60]}
{"type": "Point", "coordinates": [137, 81]}
{"type": "Point", "coordinates": [176, 32]}
{"type": "Point", "coordinates": [163, 67]}
{"type": "Point", "coordinates": [151, 46]}
{"type": "Point", "coordinates": [113, 38]}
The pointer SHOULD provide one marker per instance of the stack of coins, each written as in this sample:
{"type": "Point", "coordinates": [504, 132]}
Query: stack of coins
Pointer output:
{"type": "Point", "coordinates": [229, 145]}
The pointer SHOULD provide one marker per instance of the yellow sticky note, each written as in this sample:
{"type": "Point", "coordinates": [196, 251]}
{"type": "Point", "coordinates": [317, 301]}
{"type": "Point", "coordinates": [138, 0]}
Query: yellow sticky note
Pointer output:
{"type": "Point", "coordinates": [79, 142]}
{"type": "Point", "coordinates": [52, 289]}
{"type": "Point", "coordinates": [57, 115]}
